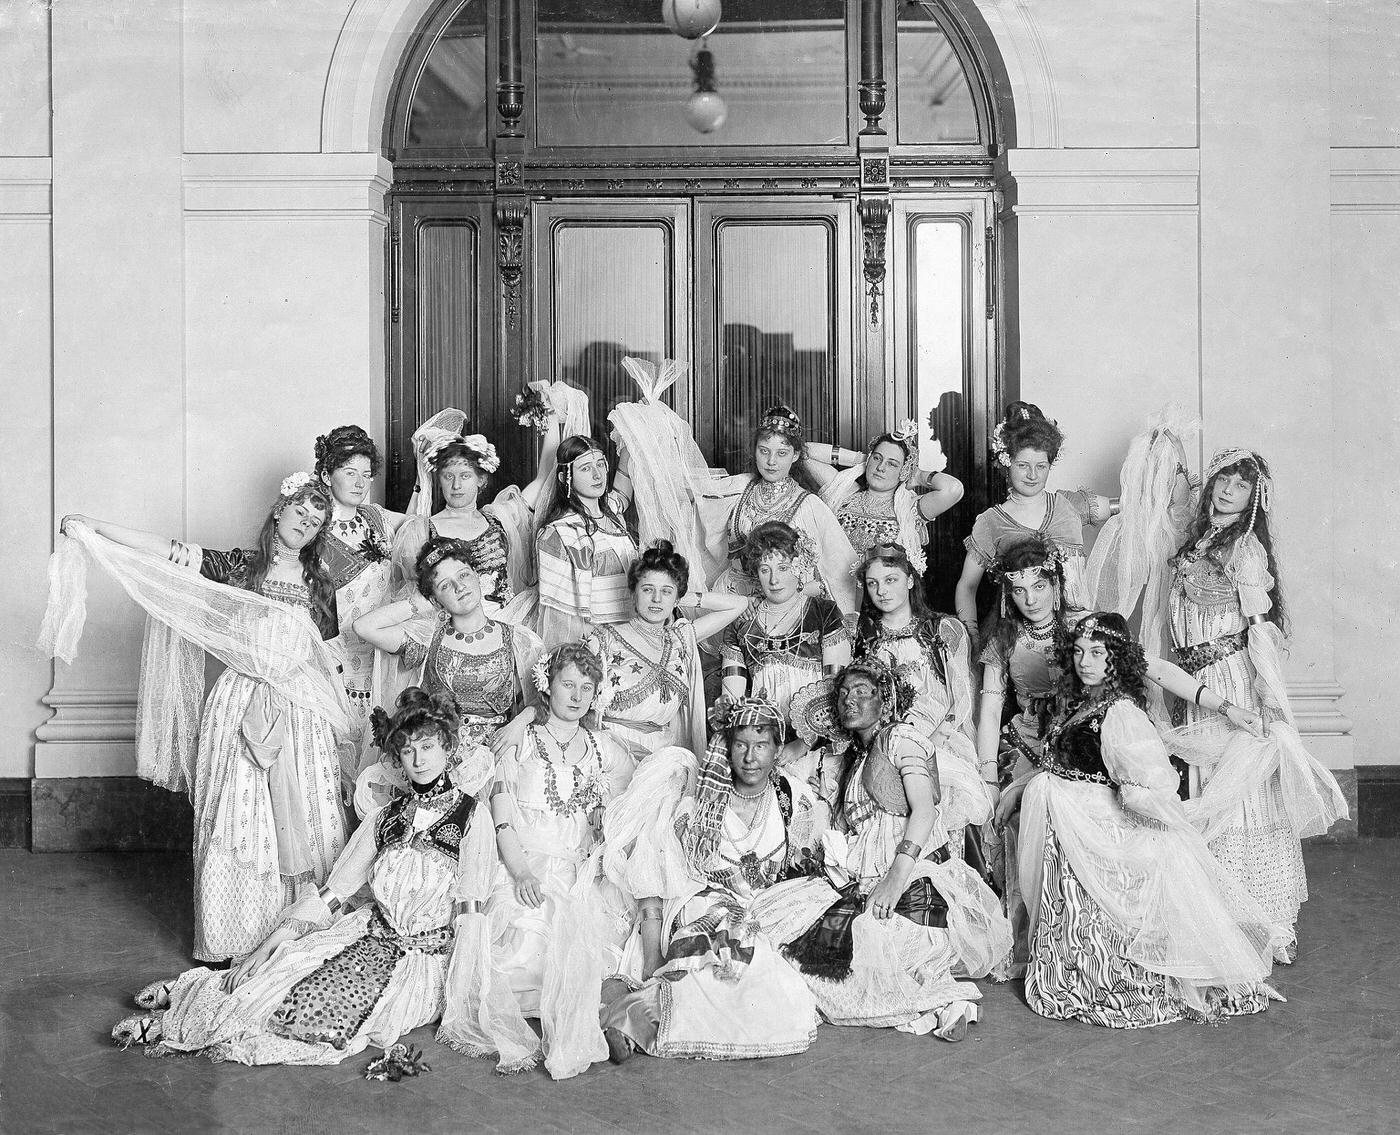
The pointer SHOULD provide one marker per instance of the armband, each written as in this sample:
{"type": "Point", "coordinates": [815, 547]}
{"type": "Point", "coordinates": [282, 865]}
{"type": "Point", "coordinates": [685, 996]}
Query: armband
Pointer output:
{"type": "Point", "coordinates": [503, 825]}
{"type": "Point", "coordinates": [1255, 620]}
{"type": "Point", "coordinates": [650, 916]}
{"type": "Point", "coordinates": [1199, 691]}
{"type": "Point", "coordinates": [908, 847]}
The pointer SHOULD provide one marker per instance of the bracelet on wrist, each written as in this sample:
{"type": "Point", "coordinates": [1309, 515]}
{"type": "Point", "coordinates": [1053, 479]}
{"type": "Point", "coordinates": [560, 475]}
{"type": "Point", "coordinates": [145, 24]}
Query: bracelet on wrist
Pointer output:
{"type": "Point", "coordinates": [908, 847]}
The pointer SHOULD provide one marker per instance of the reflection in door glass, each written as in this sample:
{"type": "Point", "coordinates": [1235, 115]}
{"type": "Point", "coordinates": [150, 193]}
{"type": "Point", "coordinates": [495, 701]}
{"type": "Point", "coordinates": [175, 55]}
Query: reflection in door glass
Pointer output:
{"type": "Point", "coordinates": [610, 299]}
{"type": "Point", "coordinates": [447, 316]}
{"type": "Point", "coordinates": [939, 349]}
{"type": "Point", "coordinates": [776, 330]}
{"type": "Point", "coordinates": [935, 98]}
{"type": "Point", "coordinates": [449, 99]}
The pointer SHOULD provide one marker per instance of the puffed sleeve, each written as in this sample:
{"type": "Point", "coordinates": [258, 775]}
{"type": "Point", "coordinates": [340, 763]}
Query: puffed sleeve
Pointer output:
{"type": "Point", "coordinates": [408, 542]}
{"type": "Point", "coordinates": [224, 567]}
{"type": "Point", "coordinates": [731, 651]}
{"type": "Point", "coordinates": [1248, 570]}
{"type": "Point", "coordinates": [1081, 503]}
{"type": "Point", "coordinates": [834, 632]}
{"type": "Point", "coordinates": [618, 766]}
{"type": "Point", "coordinates": [1135, 757]}
{"type": "Point", "coordinates": [983, 543]}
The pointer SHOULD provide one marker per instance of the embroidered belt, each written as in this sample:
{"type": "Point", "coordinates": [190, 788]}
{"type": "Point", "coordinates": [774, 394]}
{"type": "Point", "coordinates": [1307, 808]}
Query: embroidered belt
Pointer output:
{"type": "Point", "coordinates": [1064, 772]}
{"type": "Point", "coordinates": [1194, 659]}
{"type": "Point", "coordinates": [437, 941]}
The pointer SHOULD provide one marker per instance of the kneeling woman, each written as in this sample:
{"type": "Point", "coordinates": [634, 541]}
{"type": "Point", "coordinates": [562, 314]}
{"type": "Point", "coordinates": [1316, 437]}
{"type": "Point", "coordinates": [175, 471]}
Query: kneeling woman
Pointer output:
{"type": "Point", "coordinates": [328, 982]}
{"type": "Point", "coordinates": [909, 916]}
{"type": "Point", "coordinates": [1132, 921]}
{"type": "Point", "coordinates": [703, 855]}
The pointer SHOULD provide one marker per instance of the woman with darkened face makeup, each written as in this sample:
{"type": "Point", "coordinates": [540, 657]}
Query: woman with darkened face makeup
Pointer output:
{"type": "Point", "coordinates": [1132, 921]}
{"type": "Point", "coordinates": [263, 775]}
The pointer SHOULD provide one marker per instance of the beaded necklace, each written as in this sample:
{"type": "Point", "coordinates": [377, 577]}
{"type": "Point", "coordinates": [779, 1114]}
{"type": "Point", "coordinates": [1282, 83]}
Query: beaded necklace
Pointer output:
{"type": "Point", "coordinates": [585, 794]}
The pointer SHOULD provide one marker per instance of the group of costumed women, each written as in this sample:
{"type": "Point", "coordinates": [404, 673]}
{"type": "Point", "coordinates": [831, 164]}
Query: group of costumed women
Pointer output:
{"type": "Point", "coordinates": [461, 765]}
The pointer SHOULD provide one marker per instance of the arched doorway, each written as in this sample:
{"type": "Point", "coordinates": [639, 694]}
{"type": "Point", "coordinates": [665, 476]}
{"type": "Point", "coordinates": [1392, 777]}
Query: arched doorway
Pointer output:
{"type": "Point", "coordinates": [834, 244]}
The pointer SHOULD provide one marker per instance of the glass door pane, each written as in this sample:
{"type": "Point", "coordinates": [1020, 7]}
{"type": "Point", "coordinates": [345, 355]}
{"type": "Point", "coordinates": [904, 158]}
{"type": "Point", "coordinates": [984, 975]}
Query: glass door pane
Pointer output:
{"type": "Point", "coordinates": [774, 294]}
{"type": "Point", "coordinates": [447, 314]}
{"type": "Point", "coordinates": [938, 282]}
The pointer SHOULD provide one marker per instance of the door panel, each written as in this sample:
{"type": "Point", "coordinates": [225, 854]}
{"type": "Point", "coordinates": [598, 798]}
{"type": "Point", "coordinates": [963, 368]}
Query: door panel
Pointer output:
{"type": "Point", "coordinates": [773, 318]}
{"type": "Point", "coordinates": [443, 302]}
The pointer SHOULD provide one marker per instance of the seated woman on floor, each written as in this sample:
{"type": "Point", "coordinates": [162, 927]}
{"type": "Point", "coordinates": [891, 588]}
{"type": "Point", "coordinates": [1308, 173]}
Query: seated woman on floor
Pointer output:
{"type": "Point", "coordinates": [909, 916]}
{"type": "Point", "coordinates": [1132, 921]}
{"type": "Point", "coordinates": [701, 851]}
{"type": "Point", "coordinates": [329, 981]}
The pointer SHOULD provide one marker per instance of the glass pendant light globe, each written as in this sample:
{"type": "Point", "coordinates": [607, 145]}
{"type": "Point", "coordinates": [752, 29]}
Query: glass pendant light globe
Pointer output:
{"type": "Point", "coordinates": [706, 112]}
{"type": "Point", "coordinates": [691, 19]}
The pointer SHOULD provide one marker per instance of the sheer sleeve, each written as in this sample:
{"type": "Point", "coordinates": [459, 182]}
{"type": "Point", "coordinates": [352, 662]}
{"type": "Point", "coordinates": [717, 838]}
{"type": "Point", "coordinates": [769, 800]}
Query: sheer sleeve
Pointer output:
{"type": "Point", "coordinates": [993, 654]}
{"type": "Point", "coordinates": [352, 866]}
{"type": "Point", "coordinates": [476, 857]}
{"type": "Point", "coordinates": [1135, 757]}
{"type": "Point", "coordinates": [408, 542]}
{"type": "Point", "coordinates": [618, 766]}
{"type": "Point", "coordinates": [1248, 570]}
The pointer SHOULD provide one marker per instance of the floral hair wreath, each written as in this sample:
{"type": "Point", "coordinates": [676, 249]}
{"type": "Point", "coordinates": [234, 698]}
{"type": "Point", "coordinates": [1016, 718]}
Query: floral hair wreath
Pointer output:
{"type": "Point", "coordinates": [475, 444]}
{"type": "Point", "coordinates": [293, 483]}
{"type": "Point", "coordinates": [539, 674]}
{"type": "Point", "coordinates": [999, 451]}
{"type": "Point", "coordinates": [1055, 557]}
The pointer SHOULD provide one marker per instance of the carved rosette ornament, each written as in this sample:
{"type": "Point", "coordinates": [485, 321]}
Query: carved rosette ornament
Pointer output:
{"type": "Point", "coordinates": [874, 218]}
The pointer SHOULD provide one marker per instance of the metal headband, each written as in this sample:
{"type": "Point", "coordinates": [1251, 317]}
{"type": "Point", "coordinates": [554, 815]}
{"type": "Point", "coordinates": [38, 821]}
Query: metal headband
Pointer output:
{"type": "Point", "coordinates": [781, 421]}
{"type": "Point", "coordinates": [446, 551]}
{"type": "Point", "coordinates": [1090, 625]}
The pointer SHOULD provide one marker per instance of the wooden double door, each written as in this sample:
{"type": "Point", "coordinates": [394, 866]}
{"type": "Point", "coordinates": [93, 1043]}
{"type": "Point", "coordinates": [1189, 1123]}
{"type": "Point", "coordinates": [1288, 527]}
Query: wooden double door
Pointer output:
{"type": "Point", "coordinates": [765, 299]}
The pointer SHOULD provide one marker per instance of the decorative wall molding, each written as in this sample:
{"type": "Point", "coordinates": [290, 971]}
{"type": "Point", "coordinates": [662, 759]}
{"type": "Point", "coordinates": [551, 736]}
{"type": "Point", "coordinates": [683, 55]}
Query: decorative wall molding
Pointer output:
{"type": "Point", "coordinates": [1366, 180]}
{"type": "Point", "coordinates": [1103, 181]}
{"type": "Point", "coordinates": [26, 189]}
{"type": "Point", "coordinates": [91, 733]}
{"type": "Point", "coordinates": [295, 185]}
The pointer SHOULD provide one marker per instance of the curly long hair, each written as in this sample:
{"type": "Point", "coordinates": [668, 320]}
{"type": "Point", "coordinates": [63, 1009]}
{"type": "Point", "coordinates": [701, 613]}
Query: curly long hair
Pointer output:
{"type": "Point", "coordinates": [344, 442]}
{"type": "Point", "coordinates": [313, 571]}
{"type": "Point", "coordinates": [565, 502]}
{"type": "Point", "coordinates": [925, 619]}
{"type": "Point", "coordinates": [1127, 664]}
{"type": "Point", "coordinates": [1253, 469]}
{"type": "Point", "coordinates": [457, 451]}
{"type": "Point", "coordinates": [416, 713]}
{"type": "Point", "coordinates": [660, 556]}
{"type": "Point", "coordinates": [1025, 427]}
{"type": "Point", "coordinates": [790, 432]}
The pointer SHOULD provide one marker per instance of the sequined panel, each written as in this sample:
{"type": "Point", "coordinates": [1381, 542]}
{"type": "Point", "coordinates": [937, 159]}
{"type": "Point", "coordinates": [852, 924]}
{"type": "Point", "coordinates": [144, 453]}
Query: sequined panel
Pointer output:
{"type": "Point", "coordinates": [329, 1005]}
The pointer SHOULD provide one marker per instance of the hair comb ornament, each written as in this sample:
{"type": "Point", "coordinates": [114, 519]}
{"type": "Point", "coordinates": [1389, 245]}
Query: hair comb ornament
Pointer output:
{"type": "Point", "coordinates": [293, 483]}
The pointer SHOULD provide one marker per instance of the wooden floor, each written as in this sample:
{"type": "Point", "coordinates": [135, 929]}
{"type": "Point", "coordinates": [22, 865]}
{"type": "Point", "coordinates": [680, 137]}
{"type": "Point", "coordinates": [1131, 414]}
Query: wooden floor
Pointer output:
{"type": "Point", "coordinates": [80, 933]}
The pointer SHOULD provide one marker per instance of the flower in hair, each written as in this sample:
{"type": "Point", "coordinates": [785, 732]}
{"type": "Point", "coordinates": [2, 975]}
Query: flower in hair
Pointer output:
{"type": "Point", "coordinates": [907, 431]}
{"type": "Point", "coordinates": [999, 450]}
{"type": "Point", "coordinates": [539, 673]}
{"type": "Point", "coordinates": [293, 483]}
{"type": "Point", "coordinates": [485, 452]}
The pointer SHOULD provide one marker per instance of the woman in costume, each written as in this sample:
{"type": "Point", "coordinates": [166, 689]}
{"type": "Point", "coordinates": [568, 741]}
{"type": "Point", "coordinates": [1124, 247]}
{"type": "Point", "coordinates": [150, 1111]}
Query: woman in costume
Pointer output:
{"type": "Point", "coordinates": [446, 642]}
{"type": "Point", "coordinates": [329, 981]}
{"type": "Point", "coordinates": [785, 639]}
{"type": "Point", "coordinates": [1019, 659]}
{"type": "Point", "coordinates": [781, 489]}
{"type": "Point", "coordinates": [1132, 921]}
{"type": "Point", "coordinates": [882, 496]}
{"type": "Point", "coordinates": [1227, 621]}
{"type": "Point", "coordinates": [554, 929]}
{"type": "Point", "coordinates": [928, 652]}
{"type": "Point", "coordinates": [263, 775]}
{"type": "Point", "coordinates": [584, 548]}
{"type": "Point", "coordinates": [454, 472]}
{"type": "Point", "coordinates": [702, 848]}
{"type": "Point", "coordinates": [657, 695]}
{"type": "Point", "coordinates": [1025, 446]}
{"type": "Point", "coordinates": [909, 917]}
{"type": "Point", "coordinates": [355, 551]}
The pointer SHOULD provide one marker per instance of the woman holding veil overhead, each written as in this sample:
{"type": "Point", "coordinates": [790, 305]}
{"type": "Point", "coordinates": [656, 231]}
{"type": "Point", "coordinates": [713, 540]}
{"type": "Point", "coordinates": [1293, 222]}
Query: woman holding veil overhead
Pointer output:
{"type": "Point", "coordinates": [258, 756]}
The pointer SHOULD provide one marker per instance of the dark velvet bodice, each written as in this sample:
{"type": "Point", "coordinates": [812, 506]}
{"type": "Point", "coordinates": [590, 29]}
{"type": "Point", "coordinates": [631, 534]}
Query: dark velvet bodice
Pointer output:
{"type": "Point", "coordinates": [1073, 747]}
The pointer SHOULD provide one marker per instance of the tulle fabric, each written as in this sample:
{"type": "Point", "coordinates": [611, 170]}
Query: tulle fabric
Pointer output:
{"type": "Point", "coordinates": [641, 852]}
{"type": "Point", "coordinates": [265, 640]}
{"type": "Point", "coordinates": [1146, 867]}
{"type": "Point", "coordinates": [668, 471]}
{"type": "Point", "coordinates": [1130, 560]}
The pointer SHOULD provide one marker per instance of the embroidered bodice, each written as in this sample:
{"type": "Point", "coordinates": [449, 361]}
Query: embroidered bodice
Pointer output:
{"type": "Point", "coordinates": [641, 671]}
{"type": "Point", "coordinates": [344, 561]}
{"type": "Point", "coordinates": [1074, 747]}
{"type": "Point", "coordinates": [487, 553]}
{"type": "Point", "coordinates": [484, 685]}
{"type": "Point", "coordinates": [760, 502]}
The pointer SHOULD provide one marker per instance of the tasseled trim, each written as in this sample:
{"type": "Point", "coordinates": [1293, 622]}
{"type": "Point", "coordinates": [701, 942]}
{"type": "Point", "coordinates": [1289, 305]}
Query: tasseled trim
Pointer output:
{"type": "Point", "coordinates": [476, 1051]}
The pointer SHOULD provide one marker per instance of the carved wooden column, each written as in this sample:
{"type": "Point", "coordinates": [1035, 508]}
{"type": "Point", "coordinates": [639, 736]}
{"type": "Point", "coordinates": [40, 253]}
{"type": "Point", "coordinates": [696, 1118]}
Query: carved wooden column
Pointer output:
{"type": "Point", "coordinates": [874, 398]}
{"type": "Point", "coordinates": [512, 206]}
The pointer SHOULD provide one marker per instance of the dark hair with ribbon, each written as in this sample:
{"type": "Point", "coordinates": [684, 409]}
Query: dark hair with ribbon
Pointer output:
{"type": "Point", "coordinates": [1032, 555]}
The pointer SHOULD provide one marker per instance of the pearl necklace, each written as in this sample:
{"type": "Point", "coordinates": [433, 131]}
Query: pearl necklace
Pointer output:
{"type": "Point", "coordinates": [654, 633]}
{"type": "Point", "coordinates": [279, 550]}
{"type": "Point", "coordinates": [1039, 634]}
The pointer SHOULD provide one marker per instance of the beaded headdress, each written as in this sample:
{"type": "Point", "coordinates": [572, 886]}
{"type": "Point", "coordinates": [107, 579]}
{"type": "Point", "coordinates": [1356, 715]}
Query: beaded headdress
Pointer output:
{"type": "Point", "coordinates": [1048, 568]}
{"type": "Point", "coordinates": [565, 473]}
{"type": "Point", "coordinates": [447, 550]}
{"type": "Point", "coordinates": [1091, 627]}
{"type": "Point", "coordinates": [890, 549]}
{"type": "Point", "coordinates": [1262, 497]}
{"type": "Point", "coordinates": [783, 421]}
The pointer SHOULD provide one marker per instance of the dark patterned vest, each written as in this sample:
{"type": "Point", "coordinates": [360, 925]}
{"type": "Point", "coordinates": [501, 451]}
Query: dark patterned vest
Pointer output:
{"type": "Point", "coordinates": [1074, 748]}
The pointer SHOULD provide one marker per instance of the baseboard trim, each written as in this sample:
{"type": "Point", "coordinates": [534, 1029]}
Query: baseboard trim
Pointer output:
{"type": "Point", "coordinates": [15, 812]}
{"type": "Point", "coordinates": [1378, 801]}
{"type": "Point", "coordinates": [107, 813]}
